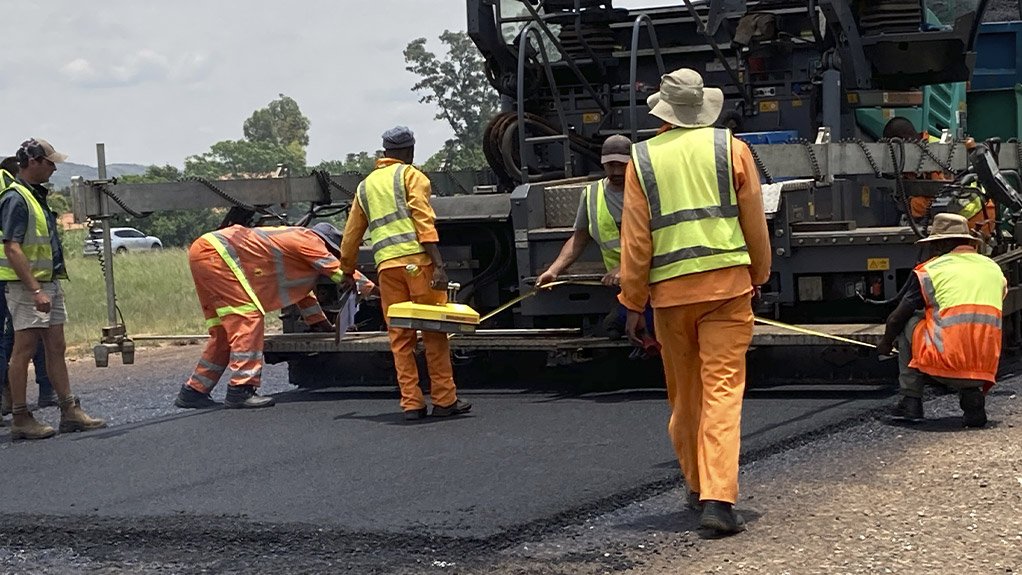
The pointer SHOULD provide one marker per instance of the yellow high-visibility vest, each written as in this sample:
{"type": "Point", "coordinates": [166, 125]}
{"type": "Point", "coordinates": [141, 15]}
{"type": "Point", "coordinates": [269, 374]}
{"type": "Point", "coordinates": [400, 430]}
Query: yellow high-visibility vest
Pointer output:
{"type": "Point", "coordinates": [686, 175]}
{"type": "Point", "coordinates": [602, 228]}
{"type": "Point", "coordinates": [384, 199]}
{"type": "Point", "coordinates": [36, 247]}
{"type": "Point", "coordinates": [960, 336]}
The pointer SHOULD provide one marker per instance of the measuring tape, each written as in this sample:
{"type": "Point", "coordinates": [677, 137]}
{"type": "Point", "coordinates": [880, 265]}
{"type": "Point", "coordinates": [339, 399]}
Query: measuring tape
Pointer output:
{"type": "Point", "coordinates": [764, 321]}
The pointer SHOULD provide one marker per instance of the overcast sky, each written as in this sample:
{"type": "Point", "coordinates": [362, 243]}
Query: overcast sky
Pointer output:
{"type": "Point", "coordinates": [159, 80]}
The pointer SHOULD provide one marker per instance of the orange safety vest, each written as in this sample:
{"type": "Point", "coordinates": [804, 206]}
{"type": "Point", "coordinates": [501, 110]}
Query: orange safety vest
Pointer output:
{"type": "Point", "coordinates": [960, 337]}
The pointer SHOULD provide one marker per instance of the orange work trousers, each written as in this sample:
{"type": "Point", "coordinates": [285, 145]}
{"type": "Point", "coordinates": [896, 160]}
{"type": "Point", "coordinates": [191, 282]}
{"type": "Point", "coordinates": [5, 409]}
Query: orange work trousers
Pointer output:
{"type": "Point", "coordinates": [704, 347]}
{"type": "Point", "coordinates": [235, 340]}
{"type": "Point", "coordinates": [396, 286]}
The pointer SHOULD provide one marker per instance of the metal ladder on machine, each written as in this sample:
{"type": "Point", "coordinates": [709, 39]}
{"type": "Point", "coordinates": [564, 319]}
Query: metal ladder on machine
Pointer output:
{"type": "Point", "coordinates": [536, 28]}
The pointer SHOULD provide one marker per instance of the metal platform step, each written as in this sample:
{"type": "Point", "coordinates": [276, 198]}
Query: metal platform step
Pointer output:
{"type": "Point", "coordinates": [550, 340]}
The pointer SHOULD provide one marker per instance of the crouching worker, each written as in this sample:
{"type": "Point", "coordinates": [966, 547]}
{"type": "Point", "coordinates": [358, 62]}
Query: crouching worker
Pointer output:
{"type": "Point", "coordinates": [241, 274]}
{"type": "Point", "coordinates": [948, 324]}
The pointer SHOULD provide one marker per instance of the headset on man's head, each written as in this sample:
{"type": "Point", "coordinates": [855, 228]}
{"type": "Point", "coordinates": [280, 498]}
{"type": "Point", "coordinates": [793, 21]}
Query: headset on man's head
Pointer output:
{"type": "Point", "coordinates": [30, 150]}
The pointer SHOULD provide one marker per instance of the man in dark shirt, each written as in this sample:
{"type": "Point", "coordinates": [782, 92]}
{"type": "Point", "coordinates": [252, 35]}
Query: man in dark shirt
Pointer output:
{"type": "Point", "coordinates": [47, 398]}
{"type": "Point", "coordinates": [33, 266]}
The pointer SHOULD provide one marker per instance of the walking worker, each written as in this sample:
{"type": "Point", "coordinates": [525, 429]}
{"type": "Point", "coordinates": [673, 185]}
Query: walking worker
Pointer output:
{"type": "Point", "coordinates": [392, 203]}
{"type": "Point", "coordinates": [241, 274]}
{"type": "Point", "coordinates": [695, 242]}
{"type": "Point", "coordinates": [948, 324]}
{"type": "Point", "coordinates": [32, 268]}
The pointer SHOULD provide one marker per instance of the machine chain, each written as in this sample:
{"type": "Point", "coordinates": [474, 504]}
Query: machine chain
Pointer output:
{"type": "Point", "coordinates": [117, 200]}
{"type": "Point", "coordinates": [216, 190]}
{"type": "Point", "coordinates": [759, 164]}
{"type": "Point", "coordinates": [817, 173]}
{"type": "Point", "coordinates": [869, 155]}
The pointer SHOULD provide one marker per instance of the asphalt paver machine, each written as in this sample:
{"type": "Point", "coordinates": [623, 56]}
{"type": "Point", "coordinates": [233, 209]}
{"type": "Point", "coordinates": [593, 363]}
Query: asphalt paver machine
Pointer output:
{"type": "Point", "coordinates": [809, 85]}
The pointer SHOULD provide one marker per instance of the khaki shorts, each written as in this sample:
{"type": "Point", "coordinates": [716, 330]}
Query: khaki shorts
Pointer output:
{"type": "Point", "coordinates": [21, 304]}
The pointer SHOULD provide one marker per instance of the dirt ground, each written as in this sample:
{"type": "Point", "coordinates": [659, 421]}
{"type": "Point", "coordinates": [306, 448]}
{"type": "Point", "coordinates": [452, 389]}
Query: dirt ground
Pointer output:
{"type": "Point", "coordinates": [875, 498]}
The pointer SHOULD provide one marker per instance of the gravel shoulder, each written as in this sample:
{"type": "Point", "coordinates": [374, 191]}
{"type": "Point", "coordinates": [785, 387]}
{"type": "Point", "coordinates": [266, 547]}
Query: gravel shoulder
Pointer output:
{"type": "Point", "coordinates": [876, 498]}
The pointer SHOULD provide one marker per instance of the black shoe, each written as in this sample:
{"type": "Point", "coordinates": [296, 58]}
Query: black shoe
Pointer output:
{"type": "Point", "coordinates": [693, 501]}
{"type": "Point", "coordinates": [721, 517]}
{"type": "Point", "coordinates": [245, 397]}
{"type": "Point", "coordinates": [47, 400]}
{"type": "Point", "coordinates": [909, 409]}
{"type": "Point", "coordinates": [415, 414]}
{"type": "Point", "coordinates": [189, 398]}
{"type": "Point", "coordinates": [457, 408]}
{"type": "Point", "coordinates": [973, 404]}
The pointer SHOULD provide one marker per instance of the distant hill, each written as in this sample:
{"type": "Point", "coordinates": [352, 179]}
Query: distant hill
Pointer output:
{"type": "Point", "coordinates": [62, 177]}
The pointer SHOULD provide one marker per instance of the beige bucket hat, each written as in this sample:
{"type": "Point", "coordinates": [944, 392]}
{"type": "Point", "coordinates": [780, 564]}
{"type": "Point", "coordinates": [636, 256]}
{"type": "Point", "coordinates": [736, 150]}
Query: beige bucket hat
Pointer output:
{"type": "Point", "coordinates": [949, 227]}
{"type": "Point", "coordinates": [684, 101]}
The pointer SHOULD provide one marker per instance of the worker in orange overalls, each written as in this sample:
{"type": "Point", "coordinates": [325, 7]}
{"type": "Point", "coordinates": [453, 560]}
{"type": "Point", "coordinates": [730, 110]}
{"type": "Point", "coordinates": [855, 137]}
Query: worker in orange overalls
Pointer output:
{"type": "Point", "coordinates": [393, 204]}
{"type": "Point", "coordinates": [948, 324]}
{"type": "Point", "coordinates": [694, 241]}
{"type": "Point", "coordinates": [241, 274]}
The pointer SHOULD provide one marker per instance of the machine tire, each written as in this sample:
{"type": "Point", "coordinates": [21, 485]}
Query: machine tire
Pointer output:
{"type": "Point", "coordinates": [121, 250]}
{"type": "Point", "coordinates": [156, 247]}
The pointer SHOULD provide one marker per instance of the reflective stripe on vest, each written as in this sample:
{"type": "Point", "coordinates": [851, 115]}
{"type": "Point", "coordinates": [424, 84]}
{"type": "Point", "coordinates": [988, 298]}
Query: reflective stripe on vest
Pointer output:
{"type": "Point", "coordinates": [960, 337]}
{"type": "Point", "coordinates": [36, 247]}
{"type": "Point", "coordinates": [602, 228]}
{"type": "Point", "coordinates": [283, 284]}
{"type": "Point", "coordinates": [686, 175]}
{"type": "Point", "coordinates": [384, 199]}
{"type": "Point", "coordinates": [230, 256]}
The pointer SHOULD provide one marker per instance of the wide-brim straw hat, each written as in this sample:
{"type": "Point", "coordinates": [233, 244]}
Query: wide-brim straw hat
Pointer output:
{"type": "Point", "coordinates": [949, 227]}
{"type": "Point", "coordinates": [683, 100]}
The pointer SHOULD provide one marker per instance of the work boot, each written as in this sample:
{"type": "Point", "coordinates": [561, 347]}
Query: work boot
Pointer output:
{"type": "Point", "coordinates": [973, 404]}
{"type": "Point", "coordinates": [693, 501]}
{"type": "Point", "coordinates": [722, 518]}
{"type": "Point", "coordinates": [24, 426]}
{"type": "Point", "coordinates": [457, 408]}
{"type": "Point", "coordinates": [189, 398]}
{"type": "Point", "coordinates": [47, 400]}
{"type": "Point", "coordinates": [909, 409]}
{"type": "Point", "coordinates": [5, 401]}
{"type": "Point", "coordinates": [415, 414]}
{"type": "Point", "coordinates": [73, 418]}
{"type": "Point", "coordinates": [245, 397]}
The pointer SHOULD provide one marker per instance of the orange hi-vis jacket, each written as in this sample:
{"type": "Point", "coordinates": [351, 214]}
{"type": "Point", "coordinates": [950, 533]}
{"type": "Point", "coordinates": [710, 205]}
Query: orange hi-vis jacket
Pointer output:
{"type": "Point", "coordinates": [960, 337]}
{"type": "Point", "coordinates": [280, 266]}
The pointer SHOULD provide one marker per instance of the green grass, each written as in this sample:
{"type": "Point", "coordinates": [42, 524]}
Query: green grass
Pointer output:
{"type": "Point", "coordinates": [155, 294]}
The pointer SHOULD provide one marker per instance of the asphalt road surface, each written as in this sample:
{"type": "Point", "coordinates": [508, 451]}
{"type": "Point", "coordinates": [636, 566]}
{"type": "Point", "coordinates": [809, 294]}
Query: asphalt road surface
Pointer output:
{"type": "Point", "coordinates": [336, 479]}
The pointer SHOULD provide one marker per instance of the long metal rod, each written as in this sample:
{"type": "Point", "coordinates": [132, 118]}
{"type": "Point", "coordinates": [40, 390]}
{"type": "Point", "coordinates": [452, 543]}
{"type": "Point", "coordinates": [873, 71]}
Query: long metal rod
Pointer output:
{"type": "Point", "coordinates": [108, 257]}
{"type": "Point", "coordinates": [633, 114]}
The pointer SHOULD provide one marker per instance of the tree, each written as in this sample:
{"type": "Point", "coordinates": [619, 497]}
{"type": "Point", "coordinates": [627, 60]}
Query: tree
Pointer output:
{"type": "Point", "coordinates": [360, 163]}
{"type": "Point", "coordinates": [240, 158]}
{"type": "Point", "coordinates": [276, 134]}
{"type": "Point", "coordinates": [458, 86]}
{"type": "Point", "coordinates": [173, 228]}
{"type": "Point", "coordinates": [281, 123]}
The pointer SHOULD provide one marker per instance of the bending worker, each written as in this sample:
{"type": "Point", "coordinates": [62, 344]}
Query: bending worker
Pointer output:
{"type": "Point", "coordinates": [393, 204]}
{"type": "Point", "coordinates": [948, 324]}
{"type": "Point", "coordinates": [241, 274]}
{"type": "Point", "coordinates": [694, 240]}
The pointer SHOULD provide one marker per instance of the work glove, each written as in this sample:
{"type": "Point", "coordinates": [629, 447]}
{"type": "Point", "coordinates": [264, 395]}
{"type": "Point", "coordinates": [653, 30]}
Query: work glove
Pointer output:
{"type": "Point", "coordinates": [322, 327]}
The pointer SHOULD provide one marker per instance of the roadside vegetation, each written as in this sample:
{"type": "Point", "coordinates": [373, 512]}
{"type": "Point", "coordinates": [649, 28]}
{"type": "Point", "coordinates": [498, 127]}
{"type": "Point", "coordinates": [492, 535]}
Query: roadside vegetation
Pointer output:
{"type": "Point", "coordinates": [154, 292]}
